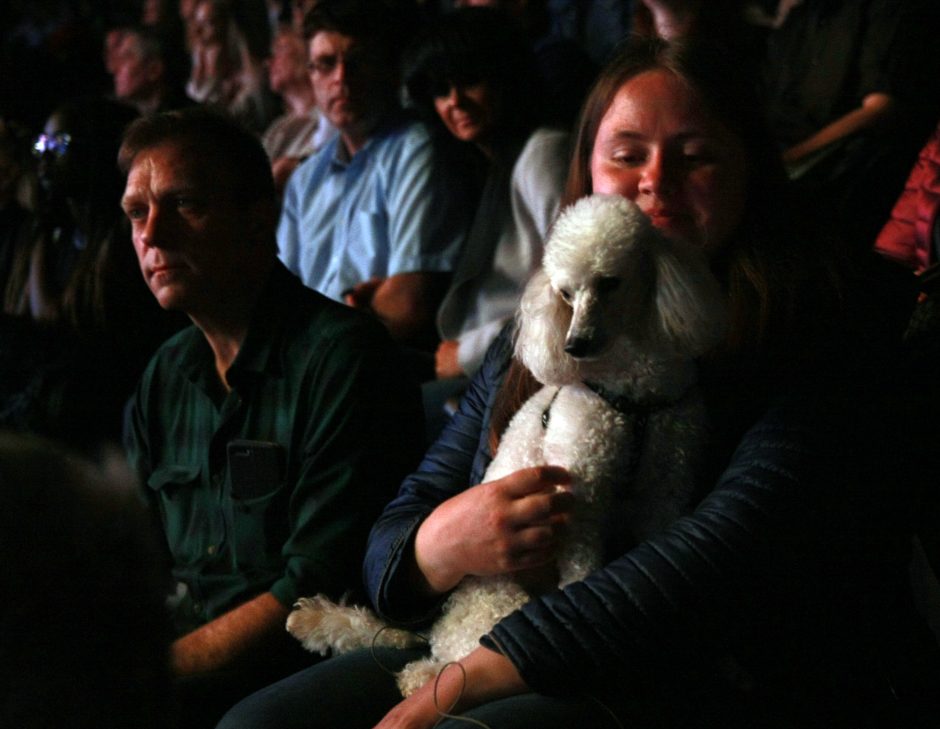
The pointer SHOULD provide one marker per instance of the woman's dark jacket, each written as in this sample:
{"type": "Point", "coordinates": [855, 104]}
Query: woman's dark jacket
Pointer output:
{"type": "Point", "coordinates": [795, 562]}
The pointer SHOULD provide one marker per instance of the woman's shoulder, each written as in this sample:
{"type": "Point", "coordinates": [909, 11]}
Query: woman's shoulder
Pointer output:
{"type": "Point", "coordinates": [545, 145]}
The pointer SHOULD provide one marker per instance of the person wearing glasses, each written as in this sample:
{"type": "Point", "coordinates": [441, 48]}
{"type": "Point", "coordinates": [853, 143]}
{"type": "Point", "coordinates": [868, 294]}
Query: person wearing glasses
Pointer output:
{"type": "Point", "coordinates": [377, 217]}
{"type": "Point", "coordinates": [474, 75]}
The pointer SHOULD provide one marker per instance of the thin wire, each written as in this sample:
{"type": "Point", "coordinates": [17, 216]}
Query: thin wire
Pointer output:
{"type": "Point", "coordinates": [606, 708]}
{"type": "Point", "coordinates": [375, 638]}
{"type": "Point", "coordinates": [446, 714]}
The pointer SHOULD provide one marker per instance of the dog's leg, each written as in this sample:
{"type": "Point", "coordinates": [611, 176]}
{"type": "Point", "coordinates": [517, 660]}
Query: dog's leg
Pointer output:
{"type": "Point", "coordinates": [321, 625]}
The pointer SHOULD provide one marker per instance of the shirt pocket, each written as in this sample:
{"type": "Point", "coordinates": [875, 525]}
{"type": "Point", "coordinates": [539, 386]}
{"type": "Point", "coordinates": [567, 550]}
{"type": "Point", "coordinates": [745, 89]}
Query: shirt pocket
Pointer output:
{"type": "Point", "coordinates": [190, 522]}
{"type": "Point", "coordinates": [367, 243]}
{"type": "Point", "coordinates": [260, 528]}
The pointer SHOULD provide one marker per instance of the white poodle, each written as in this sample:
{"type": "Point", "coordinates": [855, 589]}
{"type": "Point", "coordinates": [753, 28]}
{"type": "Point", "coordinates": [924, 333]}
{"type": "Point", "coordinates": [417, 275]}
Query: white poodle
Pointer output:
{"type": "Point", "coordinates": [611, 326]}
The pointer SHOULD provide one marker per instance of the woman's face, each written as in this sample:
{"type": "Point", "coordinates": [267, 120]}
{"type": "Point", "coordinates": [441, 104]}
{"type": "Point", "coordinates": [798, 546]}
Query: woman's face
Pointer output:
{"type": "Point", "coordinates": [207, 23]}
{"type": "Point", "coordinates": [56, 167]}
{"type": "Point", "coordinates": [468, 111]}
{"type": "Point", "coordinates": [657, 146]}
{"type": "Point", "coordinates": [288, 63]}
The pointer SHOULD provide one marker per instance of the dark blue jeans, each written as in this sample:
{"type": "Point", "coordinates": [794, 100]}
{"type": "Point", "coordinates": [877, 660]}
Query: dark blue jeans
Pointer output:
{"type": "Point", "coordinates": [353, 691]}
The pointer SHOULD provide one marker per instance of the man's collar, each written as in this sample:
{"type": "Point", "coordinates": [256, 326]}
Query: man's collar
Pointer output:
{"type": "Point", "coordinates": [264, 332]}
{"type": "Point", "coordinates": [392, 120]}
{"type": "Point", "coordinates": [256, 354]}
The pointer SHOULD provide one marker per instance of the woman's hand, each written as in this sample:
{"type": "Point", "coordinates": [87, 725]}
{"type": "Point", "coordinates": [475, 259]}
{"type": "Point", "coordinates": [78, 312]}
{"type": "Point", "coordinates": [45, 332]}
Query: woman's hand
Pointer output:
{"type": "Point", "coordinates": [501, 526]}
{"type": "Point", "coordinates": [446, 364]}
{"type": "Point", "coordinates": [486, 676]}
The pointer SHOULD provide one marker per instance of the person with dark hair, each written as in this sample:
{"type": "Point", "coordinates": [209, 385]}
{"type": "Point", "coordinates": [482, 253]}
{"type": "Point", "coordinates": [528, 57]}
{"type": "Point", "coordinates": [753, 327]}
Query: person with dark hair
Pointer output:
{"type": "Point", "coordinates": [85, 630]}
{"type": "Point", "coordinates": [782, 598]}
{"type": "Point", "coordinates": [473, 73]}
{"type": "Point", "coordinates": [378, 216]}
{"type": "Point", "coordinates": [79, 316]}
{"type": "Point", "coordinates": [79, 186]}
{"type": "Point", "coordinates": [270, 432]}
{"type": "Point", "coordinates": [150, 71]}
{"type": "Point", "coordinates": [852, 92]}
{"type": "Point", "coordinates": [564, 66]}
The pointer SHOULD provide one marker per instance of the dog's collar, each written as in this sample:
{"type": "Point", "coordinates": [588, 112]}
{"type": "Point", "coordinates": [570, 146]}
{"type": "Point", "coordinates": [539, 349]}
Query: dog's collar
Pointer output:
{"type": "Point", "coordinates": [622, 403]}
{"type": "Point", "coordinates": [640, 411]}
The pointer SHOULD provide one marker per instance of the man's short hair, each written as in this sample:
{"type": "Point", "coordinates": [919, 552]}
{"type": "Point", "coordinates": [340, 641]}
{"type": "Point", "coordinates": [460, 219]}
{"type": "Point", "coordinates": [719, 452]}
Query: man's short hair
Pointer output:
{"type": "Point", "coordinates": [386, 25]}
{"type": "Point", "coordinates": [228, 149]}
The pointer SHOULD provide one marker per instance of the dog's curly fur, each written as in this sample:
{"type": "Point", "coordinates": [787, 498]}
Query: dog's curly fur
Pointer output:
{"type": "Point", "coordinates": [611, 326]}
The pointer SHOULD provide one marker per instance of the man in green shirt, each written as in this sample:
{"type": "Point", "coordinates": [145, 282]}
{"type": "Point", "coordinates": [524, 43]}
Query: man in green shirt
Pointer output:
{"type": "Point", "coordinates": [270, 433]}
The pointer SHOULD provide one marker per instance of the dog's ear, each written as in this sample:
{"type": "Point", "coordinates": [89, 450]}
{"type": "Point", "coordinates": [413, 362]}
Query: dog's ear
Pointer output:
{"type": "Point", "coordinates": [542, 326]}
{"type": "Point", "coordinates": [689, 304]}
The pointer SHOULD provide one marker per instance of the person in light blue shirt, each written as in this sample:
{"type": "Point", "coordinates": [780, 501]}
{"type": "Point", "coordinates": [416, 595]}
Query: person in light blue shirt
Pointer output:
{"type": "Point", "coordinates": [376, 218]}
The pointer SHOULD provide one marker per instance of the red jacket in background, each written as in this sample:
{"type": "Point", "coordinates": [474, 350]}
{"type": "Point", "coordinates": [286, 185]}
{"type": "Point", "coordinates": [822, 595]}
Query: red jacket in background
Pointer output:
{"type": "Point", "coordinates": [906, 237]}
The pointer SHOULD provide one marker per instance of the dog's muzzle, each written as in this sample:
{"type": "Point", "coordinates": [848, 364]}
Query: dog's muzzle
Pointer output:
{"type": "Point", "coordinates": [578, 347]}
{"type": "Point", "coordinates": [584, 347]}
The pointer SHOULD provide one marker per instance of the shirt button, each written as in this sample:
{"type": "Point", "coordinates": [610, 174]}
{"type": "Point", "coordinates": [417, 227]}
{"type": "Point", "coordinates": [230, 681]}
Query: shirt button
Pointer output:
{"type": "Point", "coordinates": [211, 550]}
{"type": "Point", "coordinates": [197, 607]}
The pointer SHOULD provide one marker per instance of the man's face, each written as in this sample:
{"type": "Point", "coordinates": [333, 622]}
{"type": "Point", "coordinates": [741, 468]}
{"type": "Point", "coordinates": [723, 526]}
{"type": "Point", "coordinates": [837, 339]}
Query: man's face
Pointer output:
{"type": "Point", "coordinates": [135, 77]}
{"type": "Point", "coordinates": [288, 62]}
{"type": "Point", "coordinates": [188, 233]}
{"type": "Point", "coordinates": [348, 80]}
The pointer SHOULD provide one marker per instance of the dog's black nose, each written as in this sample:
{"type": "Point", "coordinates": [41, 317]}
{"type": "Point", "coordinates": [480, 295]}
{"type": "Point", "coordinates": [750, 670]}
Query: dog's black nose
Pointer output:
{"type": "Point", "coordinates": [577, 347]}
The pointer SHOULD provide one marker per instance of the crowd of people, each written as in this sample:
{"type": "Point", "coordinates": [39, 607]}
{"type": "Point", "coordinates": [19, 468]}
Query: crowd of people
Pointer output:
{"type": "Point", "coordinates": [269, 255]}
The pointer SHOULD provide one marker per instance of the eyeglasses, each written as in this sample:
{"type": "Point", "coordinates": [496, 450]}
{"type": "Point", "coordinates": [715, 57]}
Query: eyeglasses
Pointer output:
{"type": "Point", "coordinates": [353, 62]}
{"type": "Point", "coordinates": [56, 144]}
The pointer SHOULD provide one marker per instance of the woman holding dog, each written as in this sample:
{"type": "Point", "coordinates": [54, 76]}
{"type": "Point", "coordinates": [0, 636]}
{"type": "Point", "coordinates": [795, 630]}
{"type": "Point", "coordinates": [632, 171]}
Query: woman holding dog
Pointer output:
{"type": "Point", "coordinates": [782, 599]}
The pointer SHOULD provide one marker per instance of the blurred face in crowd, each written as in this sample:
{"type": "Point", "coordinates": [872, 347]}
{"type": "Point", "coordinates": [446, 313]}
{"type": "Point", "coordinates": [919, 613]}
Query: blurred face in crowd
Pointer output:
{"type": "Point", "coordinates": [657, 145]}
{"type": "Point", "coordinates": [55, 150]}
{"type": "Point", "coordinates": [187, 8]}
{"type": "Point", "coordinates": [188, 231]}
{"type": "Point", "coordinates": [351, 87]}
{"type": "Point", "coordinates": [151, 12]}
{"type": "Point", "coordinates": [207, 23]}
{"type": "Point", "coordinates": [135, 76]}
{"type": "Point", "coordinates": [112, 41]}
{"type": "Point", "coordinates": [288, 62]}
{"type": "Point", "coordinates": [467, 111]}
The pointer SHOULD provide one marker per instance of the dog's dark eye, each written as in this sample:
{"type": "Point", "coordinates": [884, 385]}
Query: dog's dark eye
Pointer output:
{"type": "Point", "coordinates": [608, 284]}
{"type": "Point", "coordinates": [565, 294]}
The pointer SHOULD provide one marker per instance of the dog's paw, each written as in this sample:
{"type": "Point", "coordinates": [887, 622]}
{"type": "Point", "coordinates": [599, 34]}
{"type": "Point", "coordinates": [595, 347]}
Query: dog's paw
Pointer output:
{"type": "Point", "coordinates": [308, 622]}
{"type": "Point", "coordinates": [417, 673]}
